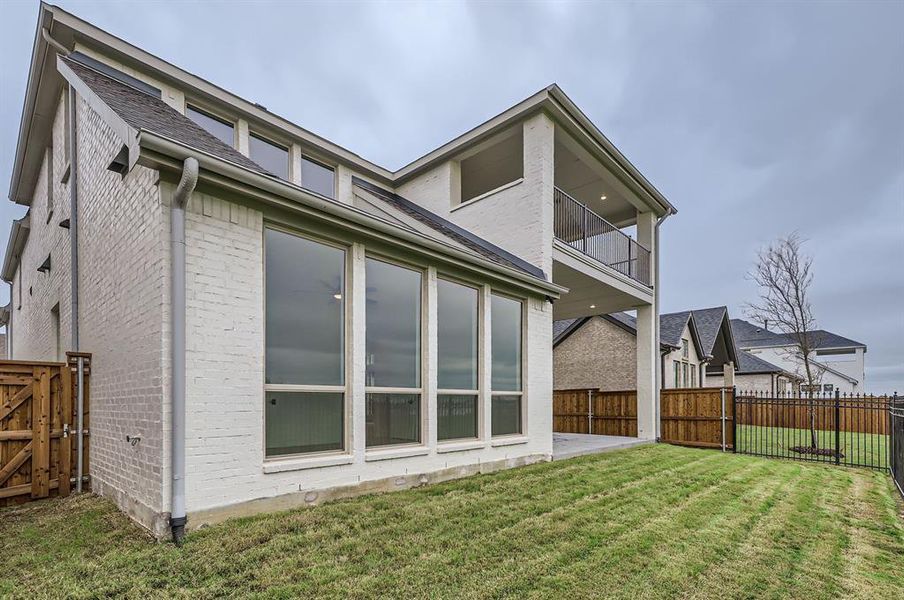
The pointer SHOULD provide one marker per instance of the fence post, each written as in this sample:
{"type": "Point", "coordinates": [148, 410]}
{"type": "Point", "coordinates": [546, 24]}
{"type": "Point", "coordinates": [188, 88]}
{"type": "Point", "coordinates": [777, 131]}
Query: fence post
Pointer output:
{"type": "Point", "coordinates": [734, 417]}
{"type": "Point", "coordinates": [590, 412]}
{"type": "Point", "coordinates": [722, 394]}
{"type": "Point", "coordinates": [837, 428]}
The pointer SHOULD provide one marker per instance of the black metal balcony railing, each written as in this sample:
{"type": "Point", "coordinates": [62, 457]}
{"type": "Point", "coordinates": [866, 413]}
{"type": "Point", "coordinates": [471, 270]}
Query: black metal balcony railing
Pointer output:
{"type": "Point", "coordinates": [586, 231]}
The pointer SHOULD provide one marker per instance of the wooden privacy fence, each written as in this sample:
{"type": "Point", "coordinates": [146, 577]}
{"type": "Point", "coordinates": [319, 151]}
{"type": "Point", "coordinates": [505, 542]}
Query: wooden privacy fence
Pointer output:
{"type": "Point", "coordinates": [595, 412]}
{"type": "Point", "coordinates": [699, 417]}
{"type": "Point", "coordinates": [38, 428]}
{"type": "Point", "coordinates": [856, 413]}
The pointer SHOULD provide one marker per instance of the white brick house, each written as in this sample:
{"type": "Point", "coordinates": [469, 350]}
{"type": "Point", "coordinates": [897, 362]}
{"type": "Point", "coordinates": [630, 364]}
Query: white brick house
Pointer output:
{"type": "Point", "coordinates": [346, 327]}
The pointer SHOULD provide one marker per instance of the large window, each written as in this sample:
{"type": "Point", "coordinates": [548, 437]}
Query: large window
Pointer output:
{"type": "Point", "coordinates": [219, 128]}
{"type": "Point", "coordinates": [457, 357]}
{"type": "Point", "coordinates": [317, 177]}
{"type": "Point", "coordinates": [392, 354]}
{"type": "Point", "coordinates": [305, 345]}
{"type": "Point", "coordinates": [272, 157]}
{"type": "Point", "coordinates": [505, 338]}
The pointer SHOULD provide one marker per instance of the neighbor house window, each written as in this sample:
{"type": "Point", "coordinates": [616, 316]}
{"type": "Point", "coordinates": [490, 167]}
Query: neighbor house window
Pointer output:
{"type": "Point", "coordinates": [685, 349]}
{"type": "Point", "coordinates": [392, 354]}
{"type": "Point", "coordinates": [693, 371]}
{"type": "Point", "coordinates": [219, 128]}
{"type": "Point", "coordinates": [317, 177]}
{"type": "Point", "coordinates": [505, 340]}
{"type": "Point", "coordinates": [272, 157]}
{"type": "Point", "coordinates": [677, 367]}
{"type": "Point", "coordinates": [305, 345]}
{"type": "Point", "coordinates": [457, 357]}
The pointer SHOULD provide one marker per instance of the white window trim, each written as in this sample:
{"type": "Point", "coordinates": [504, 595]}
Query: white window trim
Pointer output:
{"type": "Point", "coordinates": [421, 391]}
{"type": "Point", "coordinates": [464, 392]}
{"type": "Point", "coordinates": [287, 148]}
{"type": "Point", "coordinates": [521, 392]}
{"type": "Point", "coordinates": [286, 462]}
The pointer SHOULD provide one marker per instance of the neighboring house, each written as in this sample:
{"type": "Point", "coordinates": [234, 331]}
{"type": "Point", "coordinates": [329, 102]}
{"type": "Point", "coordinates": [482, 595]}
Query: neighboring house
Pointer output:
{"type": "Point", "coordinates": [599, 352]}
{"type": "Point", "coordinates": [278, 318]}
{"type": "Point", "coordinates": [840, 361]}
{"type": "Point", "coordinates": [754, 374]}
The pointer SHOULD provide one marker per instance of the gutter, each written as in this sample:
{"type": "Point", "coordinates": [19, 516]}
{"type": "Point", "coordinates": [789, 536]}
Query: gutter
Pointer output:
{"type": "Point", "coordinates": [180, 201]}
{"type": "Point", "coordinates": [293, 197]}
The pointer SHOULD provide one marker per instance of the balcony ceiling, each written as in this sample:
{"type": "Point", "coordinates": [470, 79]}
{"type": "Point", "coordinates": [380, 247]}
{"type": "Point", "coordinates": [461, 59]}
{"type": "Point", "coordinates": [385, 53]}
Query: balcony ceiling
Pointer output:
{"type": "Point", "coordinates": [587, 181]}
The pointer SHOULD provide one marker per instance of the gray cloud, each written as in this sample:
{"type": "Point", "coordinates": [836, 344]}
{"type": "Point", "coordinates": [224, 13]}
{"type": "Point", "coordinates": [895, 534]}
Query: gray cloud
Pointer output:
{"type": "Point", "coordinates": [755, 119]}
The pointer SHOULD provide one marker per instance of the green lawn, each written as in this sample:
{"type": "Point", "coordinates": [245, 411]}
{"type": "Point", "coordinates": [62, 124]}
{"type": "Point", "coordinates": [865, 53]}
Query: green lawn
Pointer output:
{"type": "Point", "coordinates": [651, 522]}
{"type": "Point", "coordinates": [861, 449]}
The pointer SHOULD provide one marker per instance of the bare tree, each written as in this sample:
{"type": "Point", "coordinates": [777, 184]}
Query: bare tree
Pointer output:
{"type": "Point", "coordinates": [784, 274]}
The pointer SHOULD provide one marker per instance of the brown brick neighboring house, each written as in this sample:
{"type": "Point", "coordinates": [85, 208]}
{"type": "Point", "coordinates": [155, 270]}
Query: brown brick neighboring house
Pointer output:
{"type": "Point", "coordinates": [599, 352]}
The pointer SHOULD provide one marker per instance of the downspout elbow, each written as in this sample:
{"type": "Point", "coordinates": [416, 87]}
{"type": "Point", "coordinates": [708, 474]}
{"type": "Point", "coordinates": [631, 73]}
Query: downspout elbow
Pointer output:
{"type": "Point", "coordinates": [180, 200]}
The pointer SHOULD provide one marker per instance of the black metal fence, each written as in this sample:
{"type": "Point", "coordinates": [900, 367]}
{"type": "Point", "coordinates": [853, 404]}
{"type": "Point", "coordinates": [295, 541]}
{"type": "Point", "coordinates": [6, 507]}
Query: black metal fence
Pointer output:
{"type": "Point", "coordinates": [849, 430]}
{"type": "Point", "coordinates": [896, 444]}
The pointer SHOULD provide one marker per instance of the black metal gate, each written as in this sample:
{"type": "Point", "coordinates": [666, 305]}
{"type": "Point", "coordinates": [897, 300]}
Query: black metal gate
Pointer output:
{"type": "Point", "coordinates": [896, 445]}
{"type": "Point", "coordinates": [849, 430]}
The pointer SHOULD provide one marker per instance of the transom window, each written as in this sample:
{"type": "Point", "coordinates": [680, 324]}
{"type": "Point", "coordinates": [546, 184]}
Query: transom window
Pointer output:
{"type": "Point", "coordinates": [317, 177]}
{"type": "Point", "coordinates": [305, 345]}
{"type": "Point", "coordinates": [272, 157]}
{"type": "Point", "coordinates": [219, 128]}
{"type": "Point", "coordinates": [392, 354]}
{"type": "Point", "coordinates": [506, 343]}
{"type": "Point", "coordinates": [457, 359]}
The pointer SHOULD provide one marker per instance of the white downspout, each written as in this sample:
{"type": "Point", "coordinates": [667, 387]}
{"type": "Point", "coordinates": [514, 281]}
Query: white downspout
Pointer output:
{"type": "Point", "coordinates": [177, 307]}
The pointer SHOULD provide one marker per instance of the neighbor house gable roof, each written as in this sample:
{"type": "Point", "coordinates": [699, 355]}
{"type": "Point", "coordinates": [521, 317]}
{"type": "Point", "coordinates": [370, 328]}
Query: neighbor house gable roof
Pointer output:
{"type": "Point", "coordinates": [565, 327]}
{"type": "Point", "coordinates": [750, 335]}
{"type": "Point", "coordinates": [748, 364]}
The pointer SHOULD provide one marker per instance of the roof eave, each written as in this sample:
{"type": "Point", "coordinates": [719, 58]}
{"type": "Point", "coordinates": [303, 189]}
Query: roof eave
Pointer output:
{"type": "Point", "coordinates": [17, 192]}
{"type": "Point", "coordinates": [18, 236]}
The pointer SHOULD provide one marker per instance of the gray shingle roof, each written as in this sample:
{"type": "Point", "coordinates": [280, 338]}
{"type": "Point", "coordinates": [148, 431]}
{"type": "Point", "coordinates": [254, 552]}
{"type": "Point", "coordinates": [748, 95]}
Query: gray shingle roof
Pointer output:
{"type": "Point", "coordinates": [449, 229]}
{"type": "Point", "coordinates": [671, 326]}
{"type": "Point", "coordinates": [709, 322]}
{"type": "Point", "coordinates": [750, 335]}
{"type": "Point", "coordinates": [143, 111]}
{"type": "Point", "coordinates": [560, 327]}
{"type": "Point", "coordinates": [749, 364]}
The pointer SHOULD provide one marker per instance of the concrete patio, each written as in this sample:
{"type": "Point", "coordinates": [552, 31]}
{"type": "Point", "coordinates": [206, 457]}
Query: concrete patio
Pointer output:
{"type": "Point", "coordinates": [569, 445]}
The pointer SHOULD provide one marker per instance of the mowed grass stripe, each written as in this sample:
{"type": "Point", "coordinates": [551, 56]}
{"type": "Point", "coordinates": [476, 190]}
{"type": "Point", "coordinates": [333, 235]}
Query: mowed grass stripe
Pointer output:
{"type": "Point", "coordinates": [483, 542]}
{"type": "Point", "coordinates": [612, 559]}
{"type": "Point", "coordinates": [531, 544]}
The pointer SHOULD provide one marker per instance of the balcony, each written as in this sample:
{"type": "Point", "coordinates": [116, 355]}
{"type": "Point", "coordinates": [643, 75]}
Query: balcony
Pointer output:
{"type": "Point", "coordinates": [587, 232]}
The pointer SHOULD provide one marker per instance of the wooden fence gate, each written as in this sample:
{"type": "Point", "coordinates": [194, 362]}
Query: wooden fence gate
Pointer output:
{"type": "Point", "coordinates": [595, 412]}
{"type": "Point", "coordinates": [699, 417]}
{"type": "Point", "coordinates": [38, 427]}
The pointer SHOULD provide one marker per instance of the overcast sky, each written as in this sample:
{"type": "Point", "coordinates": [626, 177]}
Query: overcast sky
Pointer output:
{"type": "Point", "coordinates": [755, 119]}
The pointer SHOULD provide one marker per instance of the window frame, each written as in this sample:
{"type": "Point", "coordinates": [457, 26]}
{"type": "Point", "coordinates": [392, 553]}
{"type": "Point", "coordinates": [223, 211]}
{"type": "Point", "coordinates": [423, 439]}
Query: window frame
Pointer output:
{"type": "Point", "coordinates": [478, 392]}
{"type": "Point", "coordinates": [287, 148]}
{"type": "Point", "coordinates": [346, 388]}
{"type": "Point", "coordinates": [305, 156]}
{"type": "Point", "coordinates": [421, 391]}
{"type": "Point", "coordinates": [201, 108]}
{"type": "Point", "coordinates": [519, 393]}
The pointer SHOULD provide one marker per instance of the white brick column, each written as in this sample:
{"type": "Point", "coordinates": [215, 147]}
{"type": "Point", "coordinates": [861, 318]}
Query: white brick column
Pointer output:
{"type": "Point", "coordinates": [647, 342]}
{"type": "Point", "coordinates": [357, 354]}
{"type": "Point", "coordinates": [430, 358]}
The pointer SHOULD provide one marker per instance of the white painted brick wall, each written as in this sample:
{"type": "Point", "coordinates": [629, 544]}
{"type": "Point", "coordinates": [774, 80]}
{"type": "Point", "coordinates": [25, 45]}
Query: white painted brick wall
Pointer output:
{"type": "Point", "coordinates": [518, 219]}
{"type": "Point", "coordinates": [122, 268]}
{"type": "Point", "coordinates": [225, 320]}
